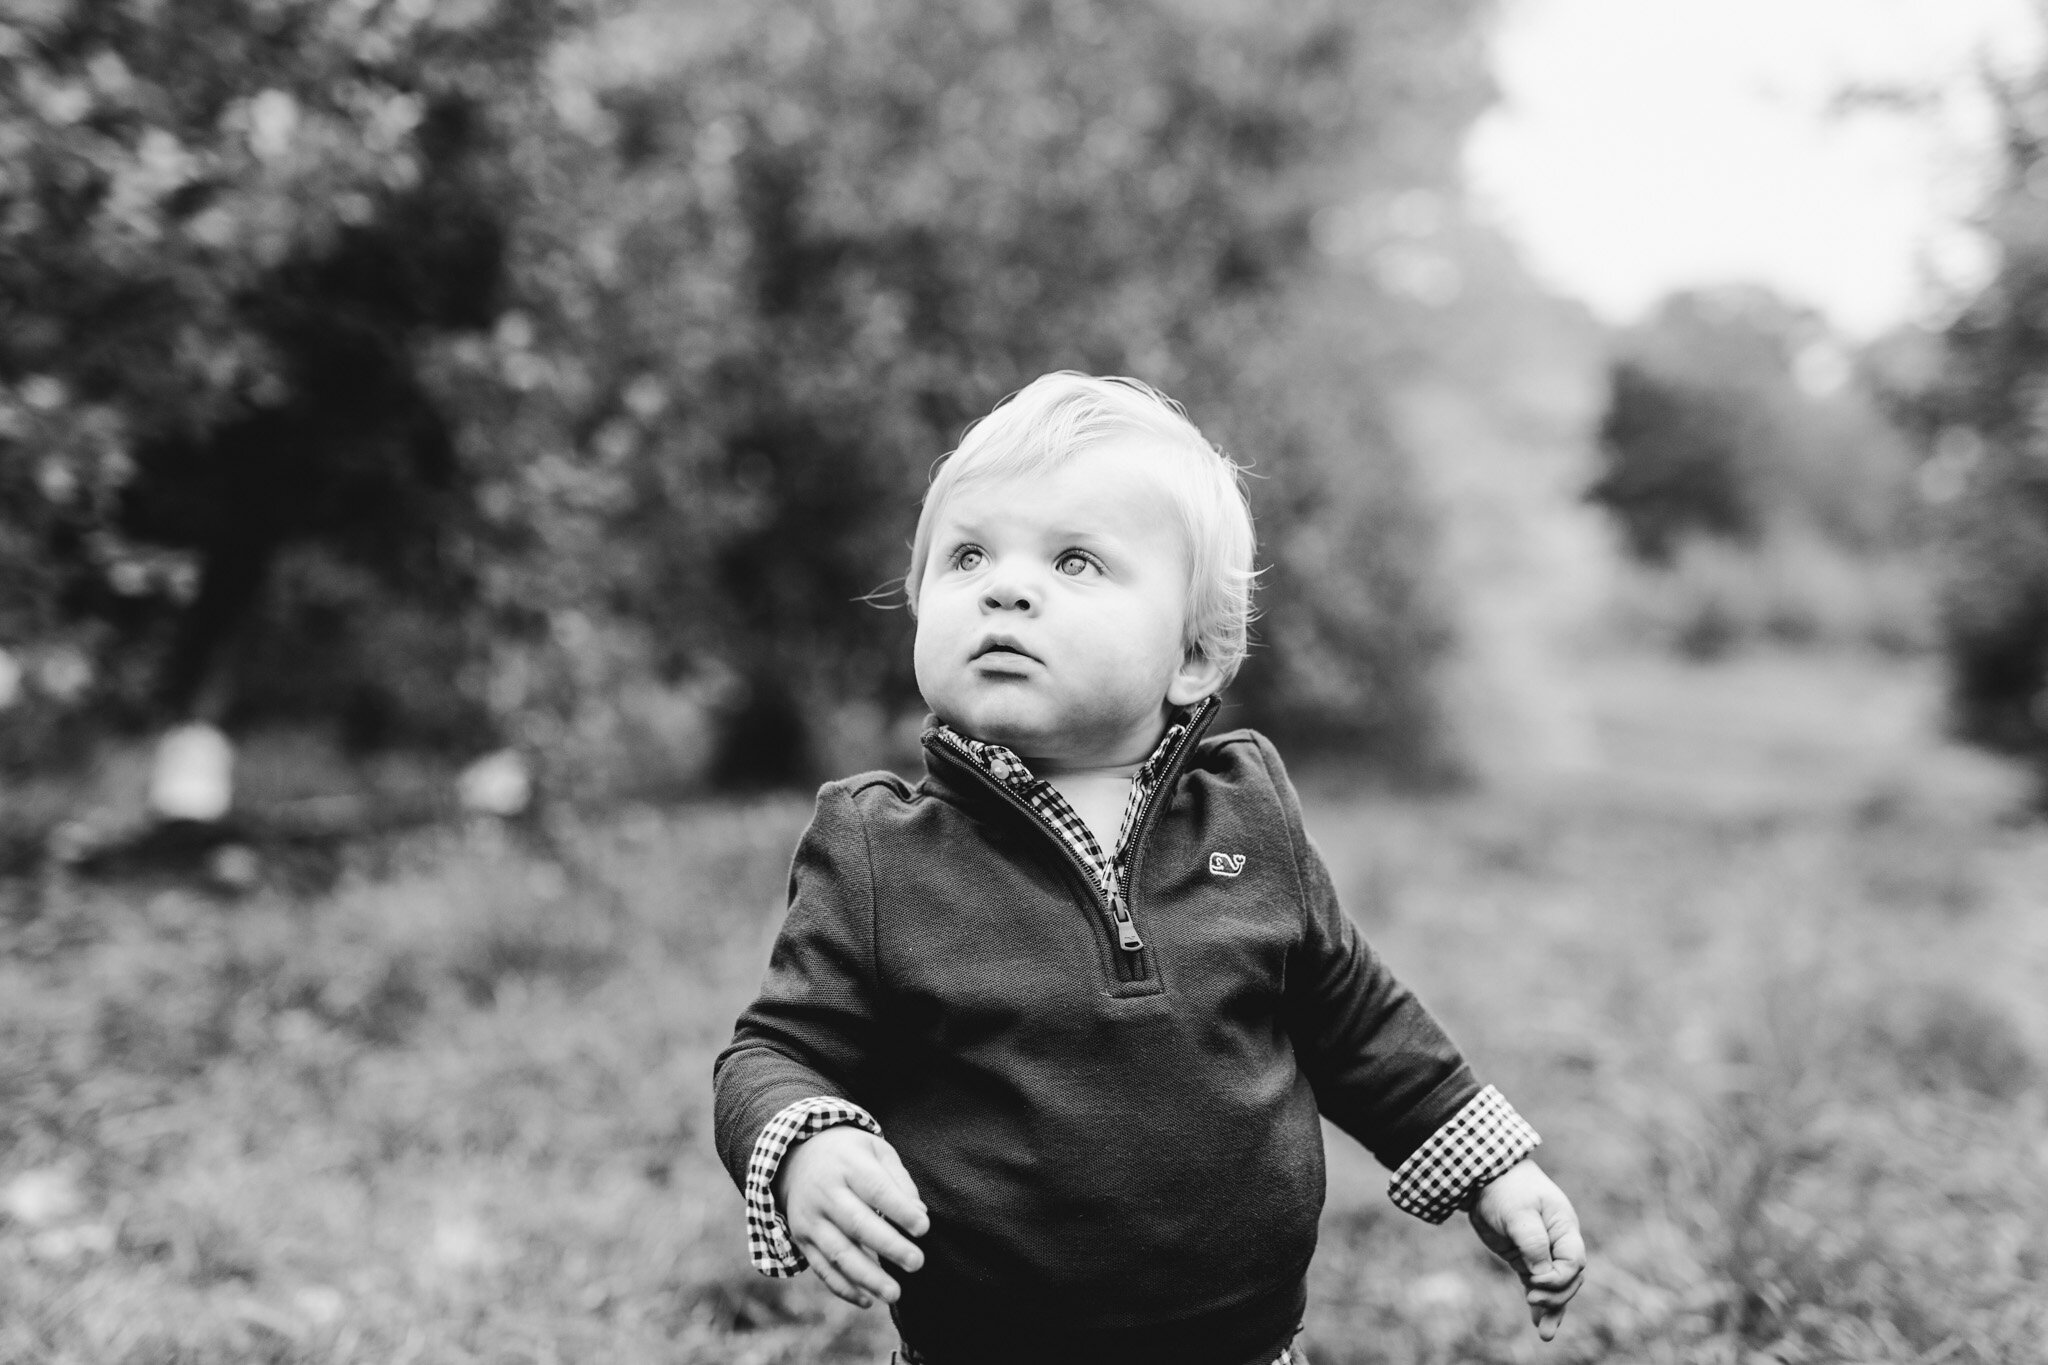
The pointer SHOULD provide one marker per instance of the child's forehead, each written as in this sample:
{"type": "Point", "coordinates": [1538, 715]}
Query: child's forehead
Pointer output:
{"type": "Point", "coordinates": [1101, 480]}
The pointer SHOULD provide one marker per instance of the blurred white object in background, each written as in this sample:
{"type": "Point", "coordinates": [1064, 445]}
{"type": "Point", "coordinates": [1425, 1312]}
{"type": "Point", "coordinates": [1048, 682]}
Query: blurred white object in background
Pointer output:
{"type": "Point", "coordinates": [40, 1197]}
{"type": "Point", "coordinates": [64, 673]}
{"type": "Point", "coordinates": [497, 784]}
{"type": "Point", "coordinates": [193, 776]}
{"type": "Point", "coordinates": [10, 680]}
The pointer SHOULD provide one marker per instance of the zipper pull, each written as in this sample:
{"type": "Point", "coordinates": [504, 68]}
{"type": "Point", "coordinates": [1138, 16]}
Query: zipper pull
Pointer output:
{"type": "Point", "coordinates": [1126, 932]}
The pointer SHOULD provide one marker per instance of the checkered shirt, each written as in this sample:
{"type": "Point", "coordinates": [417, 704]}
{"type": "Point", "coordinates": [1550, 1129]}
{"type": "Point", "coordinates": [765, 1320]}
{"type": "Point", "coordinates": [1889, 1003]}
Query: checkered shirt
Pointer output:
{"type": "Point", "coordinates": [769, 1245]}
{"type": "Point", "coordinates": [1059, 814]}
{"type": "Point", "coordinates": [1477, 1145]}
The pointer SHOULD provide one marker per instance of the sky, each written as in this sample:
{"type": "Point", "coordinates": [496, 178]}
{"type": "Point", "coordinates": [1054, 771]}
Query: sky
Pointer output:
{"type": "Point", "coordinates": [1646, 145]}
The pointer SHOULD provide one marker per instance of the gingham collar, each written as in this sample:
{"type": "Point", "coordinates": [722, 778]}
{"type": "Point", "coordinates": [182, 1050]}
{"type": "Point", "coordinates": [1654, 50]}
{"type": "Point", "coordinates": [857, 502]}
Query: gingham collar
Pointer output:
{"type": "Point", "coordinates": [1002, 765]}
{"type": "Point", "coordinates": [1006, 767]}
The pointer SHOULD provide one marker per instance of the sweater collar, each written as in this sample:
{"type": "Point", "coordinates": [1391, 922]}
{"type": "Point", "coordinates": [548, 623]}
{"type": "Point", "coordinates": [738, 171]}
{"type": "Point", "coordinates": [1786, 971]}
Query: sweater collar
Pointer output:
{"type": "Point", "coordinates": [1002, 766]}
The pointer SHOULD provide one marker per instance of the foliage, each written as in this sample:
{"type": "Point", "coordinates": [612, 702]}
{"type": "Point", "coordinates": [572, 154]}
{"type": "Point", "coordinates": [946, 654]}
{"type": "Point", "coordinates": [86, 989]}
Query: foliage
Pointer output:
{"type": "Point", "coordinates": [1735, 416]}
{"type": "Point", "coordinates": [1354, 618]}
{"type": "Point", "coordinates": [791, 251]}
{"type": "Point", "coordinates": [1716, 596]}
{"type": "Point", "coordinates": [226, 227]}
{"type": "Point", "coordinates": [567, 373]}
{"type": "Point", "coordinates": [1992, 442]}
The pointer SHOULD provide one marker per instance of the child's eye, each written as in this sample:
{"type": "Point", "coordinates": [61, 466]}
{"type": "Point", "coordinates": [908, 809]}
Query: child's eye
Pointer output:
{"type": "Point", "coordinates": [1073, 563]}
{"type": "Point", "coordinates": [968, 557]}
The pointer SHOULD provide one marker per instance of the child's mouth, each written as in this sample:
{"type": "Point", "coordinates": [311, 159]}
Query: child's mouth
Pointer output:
{"type": "Point", "coordinates": [1002, 649]}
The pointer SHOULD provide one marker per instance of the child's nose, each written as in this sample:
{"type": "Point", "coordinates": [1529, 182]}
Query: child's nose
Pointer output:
{"type": "Point", "coordinates": [1007, 597]}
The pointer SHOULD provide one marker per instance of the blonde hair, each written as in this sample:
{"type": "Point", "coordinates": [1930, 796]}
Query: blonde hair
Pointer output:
{"type": "Point", "coordinates": [1057, 418]}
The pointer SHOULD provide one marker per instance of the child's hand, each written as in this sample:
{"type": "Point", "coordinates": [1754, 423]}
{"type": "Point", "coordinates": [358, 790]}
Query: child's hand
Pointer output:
{"type": "Point", "coordinates": [836, 1188]}
{"type": "Point", "coordinates": [1525, 1219]}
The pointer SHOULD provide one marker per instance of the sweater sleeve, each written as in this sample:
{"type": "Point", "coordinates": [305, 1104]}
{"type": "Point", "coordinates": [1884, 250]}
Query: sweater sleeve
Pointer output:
{"type": "Point", "coordinates": [810, 1032]}
{"type": "Point", "coordinates": [1382, 1068]}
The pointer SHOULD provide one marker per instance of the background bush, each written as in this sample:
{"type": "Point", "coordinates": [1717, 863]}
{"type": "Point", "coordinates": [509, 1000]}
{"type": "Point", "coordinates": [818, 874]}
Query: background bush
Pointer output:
{"type": "Point", "coordinates": [1736, 415]}
{"type": "Point", "coordinates": [1991, 443]}
{"type": "Point", "coordinates": [228, 229]}
{"type": "Point", "coordinates": [468, 371]}
{"type": "Point", "coordinates": [1761, 474]}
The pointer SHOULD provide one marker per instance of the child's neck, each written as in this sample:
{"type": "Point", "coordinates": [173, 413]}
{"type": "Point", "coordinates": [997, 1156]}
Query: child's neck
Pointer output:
{"type": "Point", "coordinates": [1097, 791]}
{"type": "Point", "coordinates": [1097, 786]}
{"type": "Point", "coordinates": [1098, 796]}
{"type": "Point", "coordinates": [1116, 758]}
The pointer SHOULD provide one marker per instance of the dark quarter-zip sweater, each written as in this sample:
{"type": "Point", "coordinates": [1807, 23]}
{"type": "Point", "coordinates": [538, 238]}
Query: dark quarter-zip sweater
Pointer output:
{"type": "Point", "coordinates": [1119, 1150]}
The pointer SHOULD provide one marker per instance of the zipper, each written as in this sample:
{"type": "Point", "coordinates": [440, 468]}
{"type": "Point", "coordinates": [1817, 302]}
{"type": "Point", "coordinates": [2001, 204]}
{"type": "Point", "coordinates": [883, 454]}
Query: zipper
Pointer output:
{"type": "Point", "coordinates": [1197, 724]}
{"type": "Point", "coordinates": [1126, 929]}
{"type": "Point", "coordinates": [1117, 907]}
{"type": "Point", "coordinates": [1112, 907]}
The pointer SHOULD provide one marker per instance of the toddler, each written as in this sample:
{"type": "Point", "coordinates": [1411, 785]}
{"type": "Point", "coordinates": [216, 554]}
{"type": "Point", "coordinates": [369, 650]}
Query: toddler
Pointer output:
{"type": "Point", "coordinates": [1049, 1031]}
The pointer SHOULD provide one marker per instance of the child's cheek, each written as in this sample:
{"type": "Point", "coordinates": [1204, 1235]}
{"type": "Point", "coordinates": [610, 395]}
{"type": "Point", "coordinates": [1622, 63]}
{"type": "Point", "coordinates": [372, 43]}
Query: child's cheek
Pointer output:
{"type": "Point", "coordinates": [931, 650]}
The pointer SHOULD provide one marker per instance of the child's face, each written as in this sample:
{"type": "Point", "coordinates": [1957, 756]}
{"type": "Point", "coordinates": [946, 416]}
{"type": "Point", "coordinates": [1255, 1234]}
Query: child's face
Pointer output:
{"type": "Point", "coordinates": [1050, 614]}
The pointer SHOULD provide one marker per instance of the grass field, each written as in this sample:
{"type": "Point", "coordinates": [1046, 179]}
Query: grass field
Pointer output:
{"type": "Point", "coordinates": [1769, 977]}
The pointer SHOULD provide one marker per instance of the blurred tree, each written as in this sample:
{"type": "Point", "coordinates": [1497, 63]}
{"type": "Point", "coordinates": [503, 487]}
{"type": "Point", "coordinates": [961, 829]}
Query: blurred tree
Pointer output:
{"type": "Point", "coordinates": [1736, 415]}
{"type": "Point", "coordinates": [571, 372]}
{"type": "Point", "coordinates": [224, 229]}
{"type": "Point", "coordinates": [1990, 453]}
{"type": "Point", "coordinates": [1675, 455]}
{"type": "Point", "coordinates": [794, 249]}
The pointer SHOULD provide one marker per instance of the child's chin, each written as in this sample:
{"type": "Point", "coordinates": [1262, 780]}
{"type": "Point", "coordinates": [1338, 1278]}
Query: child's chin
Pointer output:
{"type": "Point", "coordinates": [1008, 725]}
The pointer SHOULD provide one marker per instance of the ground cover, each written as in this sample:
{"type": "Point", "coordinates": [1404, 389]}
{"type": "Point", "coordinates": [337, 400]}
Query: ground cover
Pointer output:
{"type": "Point", "coordinates": [1767, 974]}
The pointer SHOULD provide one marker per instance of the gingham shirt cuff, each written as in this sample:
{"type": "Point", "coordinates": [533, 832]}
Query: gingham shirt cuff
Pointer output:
{"type": "Point", "coordinates": [1477, 1145]}
{"type": "Point", "coordinates": [768, 1241]}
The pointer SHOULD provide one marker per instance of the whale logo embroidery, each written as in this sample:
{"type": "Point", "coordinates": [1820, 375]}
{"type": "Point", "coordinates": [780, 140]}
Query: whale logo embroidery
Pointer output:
{"type": "Point", "coordinates": [1226, 864]}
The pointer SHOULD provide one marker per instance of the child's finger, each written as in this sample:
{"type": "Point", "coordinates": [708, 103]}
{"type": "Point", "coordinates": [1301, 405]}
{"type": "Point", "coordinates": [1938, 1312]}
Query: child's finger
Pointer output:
{"type": "Point", "coordinates": [876, 1184]}
{"type": "Point", "coordinates": [1547, 1300]}
{"type": "Point", "coordinates": [852, 1264]}
{"type": "Point", "coordinates": [918, 1223]}
{"type": "Point", "coordinates": [1561, 1280]}
{"type": "Point", "coordinates": [865, 1227]}
{"type": "Point", "coordinates": [834, 1279]}
{"type": "Point", "coordinates": [1552, 1296]}
{"type": "Point", "coordinates": [1531, 1240]}
{"type": "Point", "coordinates": [1567, 1245]}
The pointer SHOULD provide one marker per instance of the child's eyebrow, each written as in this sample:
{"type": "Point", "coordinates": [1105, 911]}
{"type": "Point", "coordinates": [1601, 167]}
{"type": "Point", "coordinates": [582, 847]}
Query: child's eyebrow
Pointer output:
{"type": "Point", "coordinates": [1083, 534]}
{"type": "Point", "coordinates": [1064, 532]}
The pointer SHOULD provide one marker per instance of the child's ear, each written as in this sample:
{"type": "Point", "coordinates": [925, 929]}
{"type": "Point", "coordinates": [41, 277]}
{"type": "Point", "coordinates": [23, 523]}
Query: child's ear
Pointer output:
{"type": "Point", "coordinates": [1197, 677]}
